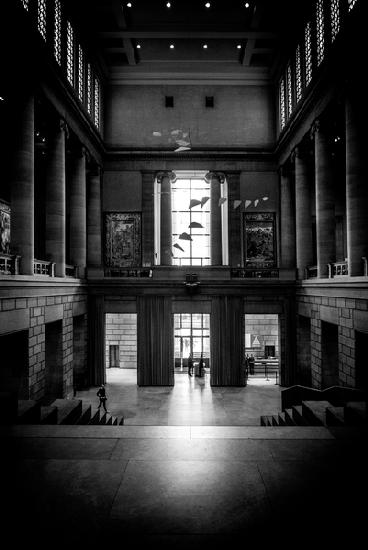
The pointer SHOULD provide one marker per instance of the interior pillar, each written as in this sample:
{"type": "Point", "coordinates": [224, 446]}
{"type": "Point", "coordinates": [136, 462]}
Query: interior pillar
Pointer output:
{"type": "Point", "coordinates": [356, 186]}
{"type": "Point", "coordinates": [325, 204]}
{"type": "Point", "coordinates": [303, 222]}
{"type": "Point", "coordinates": [94, 246]}
{"type": "Point", "coordinates": [55, 199]}
{"type": "Point", "coordinates": [22, 186]}
{"type": "Point", "coordinates": [165, 179]}
{"type": "Point", "coordinates": [78, 211]}
{"type": "Point", "coordinates": [287, 220]}
{"type": "Point", "coordinates": [216, 179]}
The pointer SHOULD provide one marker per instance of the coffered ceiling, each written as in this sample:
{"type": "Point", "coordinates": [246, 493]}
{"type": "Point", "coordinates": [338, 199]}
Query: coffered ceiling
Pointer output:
{"type": "Point", "coordinates": [189, 41]}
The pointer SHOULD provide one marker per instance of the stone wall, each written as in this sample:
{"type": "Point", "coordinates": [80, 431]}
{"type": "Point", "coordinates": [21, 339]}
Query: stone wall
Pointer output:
{"type": "Point", "coordinates": [350, 315]}
{"type": "Point", "coordinates": [121, 330]}
{"type": "Point", "coordinates": [32, 314]}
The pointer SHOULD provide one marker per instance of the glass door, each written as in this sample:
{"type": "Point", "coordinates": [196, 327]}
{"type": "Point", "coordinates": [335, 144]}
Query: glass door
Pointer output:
{"type": "Point", "coordinates": [191, 335]}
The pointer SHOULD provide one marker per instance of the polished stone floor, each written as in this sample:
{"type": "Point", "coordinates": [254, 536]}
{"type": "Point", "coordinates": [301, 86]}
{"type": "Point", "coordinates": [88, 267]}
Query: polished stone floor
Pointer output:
{"type": "Point", "coordinates": [173, 477]}
{"type": "Point", "coordinates": [191, 401]}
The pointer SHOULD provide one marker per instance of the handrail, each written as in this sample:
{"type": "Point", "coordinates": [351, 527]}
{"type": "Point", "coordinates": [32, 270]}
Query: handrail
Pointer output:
{"type": "Point", "coordinates": [127, 272]}
{"type": "Point", "coordinates": [255, 273]}
{"type": "Point", "coordinates": [9, 264]}
{"type": "Point", "coordinates": [336, 395]}
{"type": "Point", "coordinates": [43, 267]}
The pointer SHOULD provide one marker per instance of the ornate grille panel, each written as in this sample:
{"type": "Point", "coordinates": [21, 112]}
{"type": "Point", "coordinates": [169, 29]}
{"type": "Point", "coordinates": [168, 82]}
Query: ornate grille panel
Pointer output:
{"type": "Point", "coordinates": [70, 53]}
{"type": "Point", "coordinates": [335, 18]}
{"type": "Point", "coordinates": [89, 89]}
{"type": "Point", "coordinates": [282, 104]}
{"type": "Point", "coordinates": [41, 18]}
{"type": "Point", "coordinates": [320, 28]}
{"type": "Point", "coordinates": [25, 4]}
{"type": "Point", "coordinates": [352, 4]}
{"type": "Point", "coordinates": [57, 32]}
{"type": "Point", "coordinates": [308, 53]}
{"type": "Point", "coordinates": [97, 103]}
{"type": "Point", "coordinates": [289, 85]}
{"type": "Point", "coordinates": [298, 75]}
{"type": "Point", "coordinates": [80, 73]}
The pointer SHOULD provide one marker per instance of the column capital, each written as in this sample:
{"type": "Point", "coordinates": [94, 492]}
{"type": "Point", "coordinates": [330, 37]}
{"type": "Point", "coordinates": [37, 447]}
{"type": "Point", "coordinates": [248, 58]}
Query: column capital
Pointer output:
{"type": "Point", "coordinates": [301, 151]}
{"type": "Point", "coordinates": [166, 174]}
{"type": "Point", "coordinates": [220, 176]}
{"type": "Point", "coordinates": [285, 170]}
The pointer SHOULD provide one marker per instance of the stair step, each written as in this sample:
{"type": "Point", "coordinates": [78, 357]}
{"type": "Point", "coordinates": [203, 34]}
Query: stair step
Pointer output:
{"type": "Point", "coordinates": [115, 421]}
{"type": "Point", "coordinates": [29, 411]}
{"type": "Point", "coordinates": [355, 413]}
{"type": "Point", "coordinates": [298, 416]}
{"type": "Point", "coordinates": [275, 420]}
{"type": "Point", "coordinates": [48, 415]}
{"type": "Point", "coordinates": [108, 420]}
{"type": "Point", "coordinates": [97, 417]}
{"type": "Point", "coordinates": [85, 414]}
{"type": "Point", "coordinates": [315, 412]}
{"type": "Point", "coordinates": [335, 416]}
{"type": "Point", "coordinates": [69, 410]}
{"type": "Point", "coordinates": [121, 422]}
{"type": "Point", "coordinates": [289, 417]}
{"type": "Point", "coordinates": [282, 419]}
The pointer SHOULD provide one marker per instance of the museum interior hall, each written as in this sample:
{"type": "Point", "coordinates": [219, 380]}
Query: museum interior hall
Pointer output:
{"type": "Point", "coordinates": [184, 224]}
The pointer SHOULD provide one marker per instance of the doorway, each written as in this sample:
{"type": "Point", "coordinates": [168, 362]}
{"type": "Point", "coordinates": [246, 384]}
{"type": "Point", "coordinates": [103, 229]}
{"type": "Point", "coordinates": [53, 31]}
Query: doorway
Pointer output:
{"type": "Point", "coordinates": [121, 349]}
{"type": "Point", "coordinates": [262, 347]}
{"type": "Point", "coordinates": [191, 335]}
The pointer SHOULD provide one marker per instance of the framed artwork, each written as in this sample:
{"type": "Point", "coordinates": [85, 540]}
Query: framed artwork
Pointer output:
{"type": "Point", "coordinates": [259, 239]}
{"type": "Point", "coordinates": [122, 239]}
{"type": "Point", "coordinates": [4, 228]}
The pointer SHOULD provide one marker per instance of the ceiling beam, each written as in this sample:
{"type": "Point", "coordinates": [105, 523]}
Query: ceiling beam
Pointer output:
{"type": "Point", "coordinates": [118, 11]}
{"type": "Point", "coordinates": [251, 42]}
{"type": "Point", "coordinates": [190, 34]}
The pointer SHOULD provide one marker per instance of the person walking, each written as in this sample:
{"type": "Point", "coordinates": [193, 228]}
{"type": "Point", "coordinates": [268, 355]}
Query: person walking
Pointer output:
{"type": "Point", "coordinates": [103, 397]}
{"type": "Point", "coordinates": [201, 366]}
{"type": "Point", "coordinates": [190, 365]}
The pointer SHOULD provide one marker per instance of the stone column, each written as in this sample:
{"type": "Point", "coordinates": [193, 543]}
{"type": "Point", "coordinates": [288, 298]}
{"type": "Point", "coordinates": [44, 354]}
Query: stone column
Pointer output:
{"type": "Point", "coordinates": [325, 204]}
{"type": "Point", "coordinates": [165, 179]}
{"type": "Point", "coordinates": [22, 186]}
{"type": "Point", "coordinates": [356, 185]}
{"type": "Point", "coordinates": [55, 244]}
{"type": "Point", "coordinates": [216, 179]}
{"type": "Point", "coordinates": [303, 229]}
{"type": "Point", "coordinates": [94, 248]}
{"type": "Point", "coordinates": [78, 211]}
{"type": "Point", "coordinates": [287, 220]}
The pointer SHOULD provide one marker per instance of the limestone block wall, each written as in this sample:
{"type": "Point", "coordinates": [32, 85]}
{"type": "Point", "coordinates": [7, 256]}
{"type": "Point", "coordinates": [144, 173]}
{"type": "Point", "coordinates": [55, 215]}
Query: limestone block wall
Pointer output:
{"type": "Point", "coordinates": [121, 330]}
{"type": "Point", "coordinates": [350, 315]}
{"type": "Point", "coordinates": [31, 315]}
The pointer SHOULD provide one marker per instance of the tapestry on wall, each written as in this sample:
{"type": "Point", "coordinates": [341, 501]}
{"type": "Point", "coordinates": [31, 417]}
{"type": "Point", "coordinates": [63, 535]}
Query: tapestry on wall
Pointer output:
{"type": "Point", "coordinates": [4, 228]}
{"type": "Point", "coordinates": [259, 239]}
{"type": "Point", "coordinates": [122, 239]}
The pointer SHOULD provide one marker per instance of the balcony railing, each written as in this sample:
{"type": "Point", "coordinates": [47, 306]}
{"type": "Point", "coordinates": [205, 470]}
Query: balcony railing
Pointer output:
{"type": "Point", "coordinates": [9, 264]}
{"type": "Point", "coordinates": [41, 267]}
{"type": "Point", "coordinates": [253, 273]}
{"type": "Point", "coordinates": [337, 269]}
{"type": "Point", "coordinates": [128, 272]}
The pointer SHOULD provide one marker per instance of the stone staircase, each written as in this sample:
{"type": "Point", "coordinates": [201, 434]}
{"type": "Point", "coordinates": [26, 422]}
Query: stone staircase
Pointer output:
{"type": "Point", "coordinates": [64, 411]}
{"type": "Point", "coordinates": [320, 413]}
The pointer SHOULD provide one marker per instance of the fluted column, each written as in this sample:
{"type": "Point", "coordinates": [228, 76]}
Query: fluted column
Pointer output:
{"type": "Point", "coordinates": [356, 185]}
{"type": "Point", "coordinates": [22, 186]}
{"type": "Point", "coordinates": [78, 211]}
{"type": "Point", "coordinates": [94, 248]}
{"type": "Point", "coordinates": [216, 179]}
{"type": "Point", "coordinates": [55, 244]}
{"type": "Point", "coordinates": [303, 223]}
{"type": "Point", "coordinates": [325, 204]}
{"type": "Point", "coordinates": [165, 179]}
{"type": "Point", "coordinates": [287, 225]}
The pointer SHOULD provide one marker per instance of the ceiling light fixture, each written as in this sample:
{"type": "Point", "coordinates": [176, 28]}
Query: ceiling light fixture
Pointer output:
{"type": "Point", "coordinates": [129, 5]}
{"type": "Point", "coordinates": [168, 5]}
{"type": "Point", "coordinates": [239, 46]}
{"type": "Point", "coordinates": [172, 46]}
{"type": "Point", "coordinates": [208, 5]}
{"type": "Point", "coordinates": [205, 46]}
{"type": "Point", "coordinates": [246, 4]}
{"type": "Point", "coordinates": [138, 46]}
